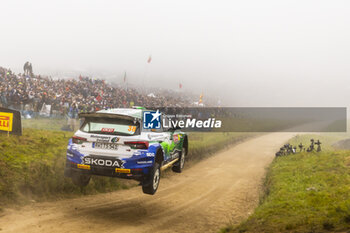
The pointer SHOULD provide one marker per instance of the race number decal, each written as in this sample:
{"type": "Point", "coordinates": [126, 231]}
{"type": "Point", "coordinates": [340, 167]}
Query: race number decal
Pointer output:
{"type": "Point", "coordinates": [132, 128]}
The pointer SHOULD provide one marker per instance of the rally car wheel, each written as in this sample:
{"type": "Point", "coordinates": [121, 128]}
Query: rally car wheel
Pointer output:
{"type": "Point", "coordinates": [180, 165]}
{"type": "Point", "coordinates": [80, 179]}
{"type": "Point", "coordinates": [151, 184]}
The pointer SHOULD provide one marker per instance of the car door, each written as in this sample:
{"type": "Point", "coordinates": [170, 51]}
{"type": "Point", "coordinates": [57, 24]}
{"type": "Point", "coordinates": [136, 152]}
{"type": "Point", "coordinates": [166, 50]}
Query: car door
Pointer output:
{"type": "Point", "coordinates": [177, 138]}
{"type": "Point", "coordinates": [174, 144]}
{"type": "Point", "coordinates": [168, 144]}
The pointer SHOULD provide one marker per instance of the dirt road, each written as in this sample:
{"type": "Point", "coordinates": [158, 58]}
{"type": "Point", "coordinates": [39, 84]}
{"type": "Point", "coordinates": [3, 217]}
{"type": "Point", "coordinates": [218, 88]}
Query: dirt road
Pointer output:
{"type": "Point", "coordinates": [204, 198]}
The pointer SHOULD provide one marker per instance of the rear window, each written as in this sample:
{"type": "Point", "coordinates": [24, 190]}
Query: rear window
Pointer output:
{"type": "Point", "coordinates": [110, 126]}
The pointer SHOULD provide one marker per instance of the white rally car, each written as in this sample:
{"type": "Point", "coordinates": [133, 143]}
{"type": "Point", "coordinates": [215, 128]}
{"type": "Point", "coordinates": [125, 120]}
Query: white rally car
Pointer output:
{"type": "Point", "coordinates": [116, 143]}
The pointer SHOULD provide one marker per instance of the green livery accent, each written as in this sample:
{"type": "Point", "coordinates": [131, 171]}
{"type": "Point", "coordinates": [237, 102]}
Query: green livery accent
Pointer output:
{"type": "Point", "coordinates": [170, 148]}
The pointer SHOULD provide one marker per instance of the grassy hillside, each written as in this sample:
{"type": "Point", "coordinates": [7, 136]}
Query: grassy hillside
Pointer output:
{"type": "Point", "coordinates": [201, 145]}
{"type": "Point", "coordinates": [44, 123]}
{"type": "Point", "coordinates": [32, 168]}
{"type": "Point", "coordinates": [305, 192]}
{"type": "Point", "coordinates": [32, 165]}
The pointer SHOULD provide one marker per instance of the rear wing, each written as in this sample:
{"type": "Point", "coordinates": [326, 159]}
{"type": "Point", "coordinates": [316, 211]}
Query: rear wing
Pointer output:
{"type": "Point", "coordinates": [108, 115]}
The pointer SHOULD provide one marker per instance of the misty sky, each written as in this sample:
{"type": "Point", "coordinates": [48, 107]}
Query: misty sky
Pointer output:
{"type": "Point", "coordinates": [248, 53]}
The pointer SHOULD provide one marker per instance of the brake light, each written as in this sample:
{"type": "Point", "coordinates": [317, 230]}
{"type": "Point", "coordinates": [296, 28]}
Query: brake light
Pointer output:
{"type": "Point", "coordinates": [138, 144]}
{"type": "Point", "coordinates": [78, 140]}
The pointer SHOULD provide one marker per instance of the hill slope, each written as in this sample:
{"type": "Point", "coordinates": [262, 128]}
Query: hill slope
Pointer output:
{"type": "Point", "coordinates": [305, 192]}
{"type": "Point", "coordinates": [32, 165]}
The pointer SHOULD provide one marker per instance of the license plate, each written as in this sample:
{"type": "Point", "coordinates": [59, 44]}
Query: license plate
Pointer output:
{"type": "Point", "coordinates": [102, 145]}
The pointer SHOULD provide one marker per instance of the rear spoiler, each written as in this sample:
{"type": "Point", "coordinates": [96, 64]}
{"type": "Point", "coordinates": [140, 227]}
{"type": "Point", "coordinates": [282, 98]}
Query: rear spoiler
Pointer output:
{"type": "Point", "coordinates": [107, 115]}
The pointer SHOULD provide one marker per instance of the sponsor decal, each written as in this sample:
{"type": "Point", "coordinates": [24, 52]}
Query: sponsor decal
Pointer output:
{"type": "Point", "coordinates": [151, 119]}
{"type": "Point", "coordinates": [176, 137]}
{"type": "Point", "coordinates": [122, 170]}
{"type": "Point", "coordinates": [102, 162]}
{"type": "Point", "coordinates": [6, 120]}
{"type": "Point", "coordinates": [144, 162]}
{"type": "Point", "coordinates": [101, 138]}
{"type": "Point", "coordinates": [107, 130]}
{"type": "Point", "coordinates": [115, 139]}
{"type": "Point", "coordinates": [83, 166]}
{"type": "Point", "coordinates": [175, 154]}
{"type": "Point", "coordinates": [70, 154]}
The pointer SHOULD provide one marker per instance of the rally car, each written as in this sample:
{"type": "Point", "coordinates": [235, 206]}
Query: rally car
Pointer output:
{"type": "Point", "coordinates": [117, 143]}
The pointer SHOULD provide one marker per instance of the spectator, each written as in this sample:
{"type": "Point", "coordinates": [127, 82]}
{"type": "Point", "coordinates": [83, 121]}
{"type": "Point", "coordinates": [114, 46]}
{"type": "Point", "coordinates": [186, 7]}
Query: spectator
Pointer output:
{"type": "Point", "coordinates": [84, 94]}
{"type": "Point", "coordinates": [72, 116]}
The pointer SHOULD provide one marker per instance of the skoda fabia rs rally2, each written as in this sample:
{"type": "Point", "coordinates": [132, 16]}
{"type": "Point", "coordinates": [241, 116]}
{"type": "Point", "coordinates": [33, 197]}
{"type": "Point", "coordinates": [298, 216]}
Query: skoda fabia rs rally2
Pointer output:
{"type": "Point", "coordinates": [116, 143]}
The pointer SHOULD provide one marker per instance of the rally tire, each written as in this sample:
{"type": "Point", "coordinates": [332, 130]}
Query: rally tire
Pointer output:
{"type": "Point", "coordinates": [80, 179]}
{"type": "Point", "coordinates": [151, 184]}
{"type": "Point", "coordinates": [178, 167]}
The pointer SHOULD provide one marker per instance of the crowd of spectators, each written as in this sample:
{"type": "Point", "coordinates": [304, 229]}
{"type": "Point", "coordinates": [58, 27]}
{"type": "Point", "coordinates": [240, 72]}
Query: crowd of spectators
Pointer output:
{"type": "Point", "coordinates": [30, 93]}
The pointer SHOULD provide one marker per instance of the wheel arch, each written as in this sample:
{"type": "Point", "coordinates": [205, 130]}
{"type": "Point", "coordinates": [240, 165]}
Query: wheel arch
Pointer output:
{"type": "Point", "coordinates": [159, 157]}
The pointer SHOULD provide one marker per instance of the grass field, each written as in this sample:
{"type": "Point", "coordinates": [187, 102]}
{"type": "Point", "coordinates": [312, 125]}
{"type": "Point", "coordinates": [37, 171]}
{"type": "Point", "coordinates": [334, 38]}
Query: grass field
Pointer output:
{"type": "Point", "coordinates": [44, 123]}
{"type": "Point", "coordinates": [32, 165]}
{"type": "Point", "coordinates": [305, 192]}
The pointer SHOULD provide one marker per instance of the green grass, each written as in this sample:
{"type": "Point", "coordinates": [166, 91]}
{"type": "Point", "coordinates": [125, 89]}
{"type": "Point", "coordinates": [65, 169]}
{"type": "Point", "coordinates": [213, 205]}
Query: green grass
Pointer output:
{"type": "Point", "coordinates": [32, 165]}
{"type": "Point", "coordinates": [202, 145]}
{"type": "Point", "coordinates": [305, 192]}
{"type": "Point", "coordinates": [44, 123]}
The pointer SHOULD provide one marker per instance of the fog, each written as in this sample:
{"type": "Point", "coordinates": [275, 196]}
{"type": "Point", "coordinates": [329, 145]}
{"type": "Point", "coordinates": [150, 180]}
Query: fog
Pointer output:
{"type": "Point", "coordinates": [246, 53]}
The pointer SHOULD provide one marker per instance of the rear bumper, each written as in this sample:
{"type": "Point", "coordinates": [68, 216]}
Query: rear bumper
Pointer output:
{"type": "Point", "coordinates": [72, 167]}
